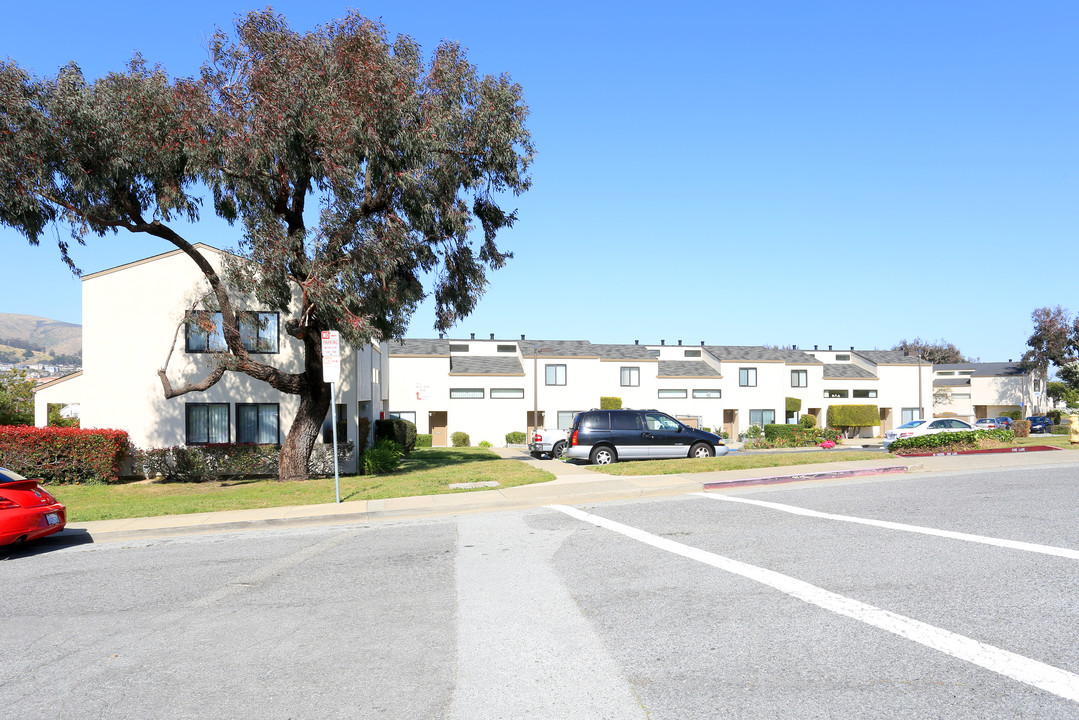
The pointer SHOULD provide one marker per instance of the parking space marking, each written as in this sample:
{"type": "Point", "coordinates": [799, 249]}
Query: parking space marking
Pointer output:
{"type": "Point", "coordinates": [1031, 672]}
{"type": "Point", "coordinates": [1011, 544]}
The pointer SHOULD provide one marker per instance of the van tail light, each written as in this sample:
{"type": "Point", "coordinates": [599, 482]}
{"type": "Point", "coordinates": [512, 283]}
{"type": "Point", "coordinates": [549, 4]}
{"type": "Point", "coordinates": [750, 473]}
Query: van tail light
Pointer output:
{"type": "Point", "coordinates": [573, 439]}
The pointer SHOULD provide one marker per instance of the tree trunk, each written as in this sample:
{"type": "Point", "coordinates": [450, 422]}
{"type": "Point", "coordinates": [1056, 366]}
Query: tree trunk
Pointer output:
{"type": "Point", "coordinates": [314, 404]}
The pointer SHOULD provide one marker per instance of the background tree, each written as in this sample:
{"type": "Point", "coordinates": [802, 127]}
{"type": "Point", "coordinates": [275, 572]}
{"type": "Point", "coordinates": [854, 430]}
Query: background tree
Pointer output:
{"type": "Point", "coordinates": [16, 398]}
{"type": "Point", "coordinates": [1053, 341]}
{"type": "Point", "coordinates": [940, 352]}
{"type": "Point", "coordinates": [1061, 391]}
{"type": "Point", "coordinates": [399, 159]}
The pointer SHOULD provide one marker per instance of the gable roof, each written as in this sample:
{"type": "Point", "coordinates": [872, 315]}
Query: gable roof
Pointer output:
{"type": "Point", "coordinates": [686, 368]}
{"type": "Point", "coordinates": [991, 369]}
{"type": "Point", "coordinates": [889, 357]}
{"type": "Point", "coordinates": [202, 247]}
{"type": "Point", "coordinates": [756, 353]}
{"type": "Point", "coordinates": [485, 365]}
{"type": "Point", "coordinates": [557, 348]}
{"type": "Point", "coordinates": [420, 347]}
{"type": "Point", "coordinates": [846, 370]}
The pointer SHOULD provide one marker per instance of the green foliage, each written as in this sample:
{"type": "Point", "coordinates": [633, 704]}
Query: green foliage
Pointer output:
{"type": "Point", "coordinates": [424, 440]}
{"type": "Point", "coordinates": [1063, 392]}
{"type": "Point", "coordinates": [1053, 340]}
{"type": "Point", "coordinates": [64, 455]}
{"type": "Point", "coordinates": [794, 437]}
{"type": "Point", "coordinates": [1061, 429]}
{"type": "Point", "coordinates": [364, 434]}
{"type": "Point", "coordinates": [853, 416]}
{"type": "Point", "coordinates": [484, 444]}
{"type": "Point", "coordinates": [1054, 415]}
{"type": "Point", "coordinates": [794, 404]}
{"type": "Point", "coordinates": [1013, 415]}
{"type": "Point", "coordinates": [808, 421]}
{"type": "Point", "coordinates": [967, 439]}
{"type": "Point", "coordinates": [58, 420]}
{"type": "Point", "coordinates": [753, 432]}
{"type": "Point", "coordinates": [776, 430]}
{"type": "Point", "coordinates": [226, 461]}
{"type": "Point", "coordinates": [383, 458]}
{"type": "Point", "coordinates": [607, 402]}
{"type": "Point", "coordinates": [16, 398]}
{"type": "Point", "coordinates": [402, 432]}
{"type": "Point", "coordinates": [1021, 428]}
{"type": "Point", "coordinates": [1069, 373]}
{"type": "Point", "coordinates": [516, 438]}
{"type": "Point", "coordinates": [460, 439]}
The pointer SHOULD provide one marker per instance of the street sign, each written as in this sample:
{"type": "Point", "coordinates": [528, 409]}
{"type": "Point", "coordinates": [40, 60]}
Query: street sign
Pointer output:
{"type": "Point", "coordinates": [331, 356]}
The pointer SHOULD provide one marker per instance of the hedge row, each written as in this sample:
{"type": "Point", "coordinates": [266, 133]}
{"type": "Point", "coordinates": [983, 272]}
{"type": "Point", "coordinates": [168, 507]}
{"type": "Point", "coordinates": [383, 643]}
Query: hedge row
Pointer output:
{"type": "Point", "coordinates": [64, 455]}
{"type": "Point", "coordinates": [966, 438]}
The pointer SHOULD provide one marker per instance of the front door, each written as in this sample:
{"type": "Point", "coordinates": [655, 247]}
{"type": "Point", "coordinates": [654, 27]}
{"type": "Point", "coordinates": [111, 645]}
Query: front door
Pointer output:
{"type": "Point", "coordinates": [438, 422]}
{"type": "Point", "coordinates": [730, 423]}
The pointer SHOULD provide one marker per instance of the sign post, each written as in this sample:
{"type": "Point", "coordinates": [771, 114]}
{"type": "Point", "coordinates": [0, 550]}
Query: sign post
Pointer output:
{"type": "Point", "coordinates": [331, 373]}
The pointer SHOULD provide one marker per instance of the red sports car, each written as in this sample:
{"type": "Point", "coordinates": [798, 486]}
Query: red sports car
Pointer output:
{"type": "Point", "coordinates": [26, 511]}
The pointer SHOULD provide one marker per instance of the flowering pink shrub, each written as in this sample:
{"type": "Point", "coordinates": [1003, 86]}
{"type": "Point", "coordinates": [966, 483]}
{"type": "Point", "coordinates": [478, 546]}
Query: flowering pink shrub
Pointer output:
{"type": "Point", "coordinates": [64, 454]}
{"type": "Point", "coordinates": [828, 444]}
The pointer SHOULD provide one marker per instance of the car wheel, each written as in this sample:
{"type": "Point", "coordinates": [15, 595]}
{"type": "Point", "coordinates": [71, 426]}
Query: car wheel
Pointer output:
{"type": "Point", "coordinates": [701, 450]}
{"type": "Point", "coordinates": [558, 450]}
{"type": "Point", "coordinates": [603, 455]}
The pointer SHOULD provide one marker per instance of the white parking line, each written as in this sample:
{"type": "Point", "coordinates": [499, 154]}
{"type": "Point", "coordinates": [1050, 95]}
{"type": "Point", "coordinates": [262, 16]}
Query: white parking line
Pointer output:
{"type": "Point", "coordinates": [1012, 544]}
{"type": "Point", "coordinates": [1046, 677]}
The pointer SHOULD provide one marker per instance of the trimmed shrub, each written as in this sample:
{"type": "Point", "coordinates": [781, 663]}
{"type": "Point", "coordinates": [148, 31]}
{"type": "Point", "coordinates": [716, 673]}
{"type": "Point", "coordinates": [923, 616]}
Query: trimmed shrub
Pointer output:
{"type": "Point", "coordinates": [1061, 430]}
{"type": "Point", "coordinates": [402, 432]}
{"type": "Point", "coordinates": [64, 454]}
{"type": "Point", "coordinates": [610, 403]}
{"type": "Point", "coordinates": [1021, 428]}
{"type": "Point", "coordinates": [516, 438]}
{"type": "Point", "coordinates": [794, 404]}
{"type": "Point", "coordinates": [967, 438]}
{"type": "Point", "coordinates": [774, 431]}
{"type": "Point", "coordinates": [383, 458]}
{"type": "Point", "coordinates": [228, 461]}
{"type": "Point", "coordinates": [853, 416]}
{"type": "Point", "coordinates": [1012, 414]}
{"type": "Point", "coordinates": [484, 444]}
{"type": "Point", "coordinates": [1055, 416]}
{"type": "Point", "coordinates": [460, 439]}
{"type": "Point", "coordinates": [425, 440]}
{"type": "Point", "coordinates": [808, 421]}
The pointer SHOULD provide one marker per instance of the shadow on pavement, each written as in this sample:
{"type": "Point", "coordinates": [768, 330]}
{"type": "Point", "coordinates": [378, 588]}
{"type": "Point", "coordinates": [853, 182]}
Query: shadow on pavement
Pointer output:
{"type": "Point", "coordinates": [59, 541]}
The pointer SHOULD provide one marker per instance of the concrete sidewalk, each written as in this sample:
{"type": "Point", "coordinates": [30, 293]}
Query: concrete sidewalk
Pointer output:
{"type": "Point", "coordinates": [573, 485]}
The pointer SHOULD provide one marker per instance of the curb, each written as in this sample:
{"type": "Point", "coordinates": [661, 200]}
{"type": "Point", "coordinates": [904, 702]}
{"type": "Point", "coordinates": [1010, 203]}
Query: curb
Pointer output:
{"type": "Point", "coordinates": [990, 451]}
{"type": "Point", "coordinates": [827, 475]}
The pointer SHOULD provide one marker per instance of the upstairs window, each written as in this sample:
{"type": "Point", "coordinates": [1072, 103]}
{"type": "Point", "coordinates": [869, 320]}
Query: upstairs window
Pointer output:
{"type": "Point", "coordinates": [507, 348]}
{"type": "Point", "coordinates": [257, 424]}
{"type": "Point", "coordinates": [836, 393]}
{"type": "Point", "coordinates": [556, 374]}
{"type": "Point", "coordinates": [747, 377]}
{"type": "Point", "coordinates": [631, 377]}
{"type": "Point", "coordinates": [692, 353]}
{"type": "Point", "coordinates": [258, 332]}
{"type": "Point", "coordinates": [799, 378]}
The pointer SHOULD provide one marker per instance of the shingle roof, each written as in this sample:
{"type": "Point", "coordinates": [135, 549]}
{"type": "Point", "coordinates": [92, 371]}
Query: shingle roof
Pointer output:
{"type": "Point", "coordinates": [992, 369]}
{"type": "Point", "coordinates": [751, 353]}
{"type": "Point", "coordinates": [686, 368]}
{"type": "Point", "coordinates": [557, 348]}
{"type": "Point", "coordinates": [624, 352]}
{"type": "Point", "coordinates": [420, 346]}
{"type": "Point", "coordinates": [846, 370]}
{"type": "Point", "coordinates": [951, 382]}
{"type": "Point", "coordinates": [889, 357]}
{"type": "Point", "coordinates": [485, 365]}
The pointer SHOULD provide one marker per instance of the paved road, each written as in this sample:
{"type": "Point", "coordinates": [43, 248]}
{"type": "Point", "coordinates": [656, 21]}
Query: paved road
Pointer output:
{"type": "Point", "coordinates": [937, 595]}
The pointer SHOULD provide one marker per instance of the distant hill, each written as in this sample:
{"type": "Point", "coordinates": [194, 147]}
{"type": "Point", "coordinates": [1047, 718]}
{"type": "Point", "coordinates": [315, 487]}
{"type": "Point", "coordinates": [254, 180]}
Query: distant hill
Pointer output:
{"type": "Point", "coordinates": [41, 336]}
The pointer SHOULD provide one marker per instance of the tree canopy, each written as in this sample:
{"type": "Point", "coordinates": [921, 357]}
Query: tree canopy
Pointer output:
{"type": "Point", "coordinates": [353, 169]}
{"type": "Point", "coordinates": [940, 352]}
{"type": "Point", "coordinates": [16, 398]}
{"type": "Point", "coordinates": [1053, 341]}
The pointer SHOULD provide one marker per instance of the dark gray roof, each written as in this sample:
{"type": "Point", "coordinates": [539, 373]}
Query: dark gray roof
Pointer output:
{"type": "Point", "coordinates": [846, 370]}
{"type": "Point", "coordinates": [686, 368]}
{"type": "Point", "coordinates": [485, 365]}
{"type": "Point", "coordinates": [420, 346]}
{"type": "Point", "coordinates": [951, 382]}
{"type": "Point", "coordinates": [889, 357]}
{"type": "Point", "coordinates": [557, 348]}
{"type": "Point", "coordinates": [992, 369]}
{"type": "Point", "coordinates": [756, 353]}
{"type": "Point", "coordinates": [624, 352]}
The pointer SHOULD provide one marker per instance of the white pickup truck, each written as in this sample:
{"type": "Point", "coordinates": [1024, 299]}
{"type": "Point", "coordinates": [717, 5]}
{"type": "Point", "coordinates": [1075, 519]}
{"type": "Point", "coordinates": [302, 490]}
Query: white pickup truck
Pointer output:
{"type": "Point", "coordinates": [548, 441]}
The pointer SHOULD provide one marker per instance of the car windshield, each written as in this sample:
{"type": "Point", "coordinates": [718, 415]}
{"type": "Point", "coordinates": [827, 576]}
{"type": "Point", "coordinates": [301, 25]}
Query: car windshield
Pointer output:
{"type": "Point", "coordinates": [911, 424]}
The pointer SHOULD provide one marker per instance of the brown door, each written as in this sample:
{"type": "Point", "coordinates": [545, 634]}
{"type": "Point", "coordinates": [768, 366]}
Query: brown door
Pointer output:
{"type": "Point", "coordinates": [438, 422]}
{"type": "Point", "coordinates": [885, 419]}
{"type": "Point", "coordinates": [730, 423]}
{"type": "Point", "coordinates": [531, 425]}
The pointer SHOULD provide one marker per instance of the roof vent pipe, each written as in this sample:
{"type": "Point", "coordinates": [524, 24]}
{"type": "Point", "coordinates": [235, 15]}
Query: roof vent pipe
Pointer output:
{"type": "Point", "coordinates": [679, 343]}
{"type": "Point", "coordinates": [702, 343]}
{"type": "Point", "coordinates": [636, 342]}
{"type": "Point", "coordinates": [816, 348]}
{"type": "Point", "coordinates": [662, 342]}
{"type": "Point", "coordinates": [852, 348]}
{"type": "Point", "coordinates": [440, 336]}
{"type": "Point", "coordinates": [493, 337]}
{"type": "Point", "coordinates": [473, 336]}
{"type": "Point", "coordinates": [522, 336]}
{"type": "Point", "coordinates": [829, 347]}
{"type": "Point", "coordinates": [794, 347]}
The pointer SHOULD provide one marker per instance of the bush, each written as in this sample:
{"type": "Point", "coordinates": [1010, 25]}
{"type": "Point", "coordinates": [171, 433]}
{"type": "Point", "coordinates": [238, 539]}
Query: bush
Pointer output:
{"type": "Point", "coordinates": [425, 440]}
{"type": "Point", "coordinates": [64, 455]}
{"type": "Point", "coordinates": [228, 461]}
{"type": "Point", "coordinates": [853, 416]}
{"type": "Point", "coordinates": [968, 439]}
{"type": "Point", "coordinates": [1061, 430]}
{"type": "Point", "coordinates": [772, 431]}
{"type": "Point", "coordinates": [610, 403]}
{"type": "Point", "coordinates": [516, 438]}
{"type": "Point", "coordinates": [808, 421]}
{"type": "Point", "coordinates": [753, 432]}
{"type": "Point", "coordinates": [1055, 416]}
{"type": "Point", "coordinates": [460, 439]}
{"type": "Point", "coordinates": [1012, 414]}
{"type": "Point", "coordinates": [402, 432]}
{"type": "Point", "coordinates": [365, 434]}
{"type": "Point", "coordinates": [484, 444]}
{"type": "Point", "coordinates": [794, 404]}
{"type": "Point", "coordinates": [383, 458]}
{"type": "Point", "coordinates": [1021, 428]}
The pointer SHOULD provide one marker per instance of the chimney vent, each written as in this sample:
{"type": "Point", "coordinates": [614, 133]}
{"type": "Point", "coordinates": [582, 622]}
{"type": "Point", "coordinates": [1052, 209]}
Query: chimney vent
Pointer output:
{"type": "Point", "coordinates": [636, 342]}
{"type": "Point", "coordinates": [522, 336]}
{"type": "Point", "coordinates": [852, 348]}
{"type": "Point", "coordinates": [679, 343]}
{"type": "Point", "coordinates": [816, 348]}
{"type": "Point", "coordinates": [662, 342]}
{"type": "Point", "coordinates": [702, 343]}
{"type": "Point", "coordinates": [829, 347]}
{"type": "Point", "coordinates": [440, 336]}
{"type": "Point", "coordinates": [473, 336]}
{"type": "Point", "coordinates": [794, 347]}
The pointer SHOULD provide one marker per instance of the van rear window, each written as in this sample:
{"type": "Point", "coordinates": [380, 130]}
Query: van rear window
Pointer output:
{"type": "Point", "coordinates": [596, 421]}
{"type": "Point", "coordinates": [625, 421]}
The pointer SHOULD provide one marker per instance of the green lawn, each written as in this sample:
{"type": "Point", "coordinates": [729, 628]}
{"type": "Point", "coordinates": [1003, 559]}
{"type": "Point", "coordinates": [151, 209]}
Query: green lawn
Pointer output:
{"type": "Point", "coordinates": [428, 471]}
{"type": "Point", "coordinates": [733, 461]}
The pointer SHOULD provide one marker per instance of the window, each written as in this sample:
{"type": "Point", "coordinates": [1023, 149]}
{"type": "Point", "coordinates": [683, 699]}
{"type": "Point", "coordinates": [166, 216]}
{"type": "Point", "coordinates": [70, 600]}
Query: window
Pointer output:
{"type": "Point", "coordinates": [342, 426]}
{"type": "Point", "coordinates": [631, 377]}
{"type": "Point", "coordinates": [466, 393]}
{"type": "Point", "coordinates": [842, 357]}
{"type": "Point", "coordinates": [626, 421]}
{"type": "Point", "coordinates": [836, 393]}
{"type": "Point", "coordinates": [659, 421]}
{"type": "Point", "coordinates": [507, 393]}
{"type": "Point", "coordinates": [672, 393]}
{"type": "Point", "coordinates": [910, 414]}
{"type": "Point", "coordinates": [507, 348]}
{"type": "Point", "coordinates": [409, 415]}
{"type": "Point", "coordinates": [747, 377]}
{"type": "Point", "coordinates": [258, 332]}
{"type": "Point", "coordinates": [761, 418]}
{"type": "Point", "coordinates": [207, 423]}
{"type": "Point", "coordinates": [458, 348]}
{"type": "Point", "coordinates": [556, 374]}
{"type": "Point", "coordinates": [799, 378]}
{"type": "Point", "coordinates": [597, 420]}
{"type": "Point", "coordinates": [258, 424]}
{"type": "Point", "coordinates": [946, 372]}
{"type": "Point", "coordinates": [713, 394]}
{"type": "Point", "coordinates": [865, 393]}
{"type": "Point", "coordinates": [693, 353]}
{"type": "Point", "coordinates": [961, 396]}
{"type": "Point", "coordinates": [565, 418]}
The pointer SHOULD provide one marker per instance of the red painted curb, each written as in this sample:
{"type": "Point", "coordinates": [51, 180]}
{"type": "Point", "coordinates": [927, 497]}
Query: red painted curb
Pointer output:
{"type": "Point", "coordinates": [826, 475]}
{"type": "Point", "coordinates": [1029, 448]}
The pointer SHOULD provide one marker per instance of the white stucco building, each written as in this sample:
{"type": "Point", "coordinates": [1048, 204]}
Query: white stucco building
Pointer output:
{"type": "Point", "coordinates": [985, 390]}
{"type": "Point", "coordinates": [133, 315]}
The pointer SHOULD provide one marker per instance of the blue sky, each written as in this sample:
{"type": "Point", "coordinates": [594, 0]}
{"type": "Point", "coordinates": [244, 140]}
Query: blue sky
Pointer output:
{"type": "Point", "coordinates": [834, 172]}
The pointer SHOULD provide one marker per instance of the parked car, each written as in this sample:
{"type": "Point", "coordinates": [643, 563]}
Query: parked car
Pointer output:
{"type": "Point", "coordinates": [928, 426]}
{"type": "Point", "coordinates": [1004, 422]}
{"type": "Point", "coordinates": [986, 424]}
{"type": "Point", "coordinates": [548, 441]}
{"type": "Point", "coordinates": [27, 512]}
{"type": "Point", "coordinates": [607, 436]}
{"type": "Point", "coordinates": [1040, 424]}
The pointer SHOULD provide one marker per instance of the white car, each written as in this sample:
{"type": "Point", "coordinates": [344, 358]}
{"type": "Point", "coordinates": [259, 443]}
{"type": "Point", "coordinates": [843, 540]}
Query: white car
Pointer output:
{"type": "Point", "coordinates": [926, 427]}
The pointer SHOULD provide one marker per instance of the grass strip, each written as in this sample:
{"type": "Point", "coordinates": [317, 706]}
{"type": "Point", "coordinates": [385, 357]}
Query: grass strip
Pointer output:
{"type": "Point", "coordinates": [734, 461]}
